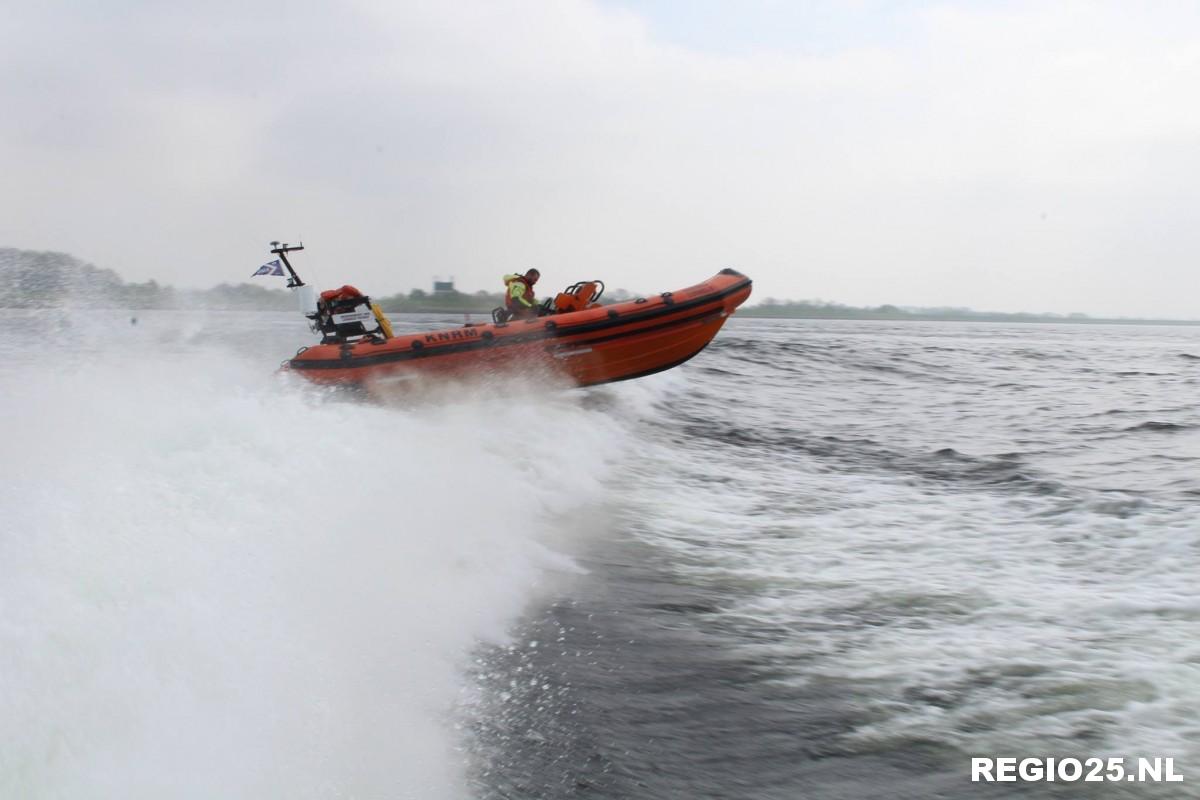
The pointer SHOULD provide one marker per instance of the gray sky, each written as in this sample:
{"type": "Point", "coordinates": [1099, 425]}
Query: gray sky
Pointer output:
{"type": "Point", "coordinates": [1005, 156]}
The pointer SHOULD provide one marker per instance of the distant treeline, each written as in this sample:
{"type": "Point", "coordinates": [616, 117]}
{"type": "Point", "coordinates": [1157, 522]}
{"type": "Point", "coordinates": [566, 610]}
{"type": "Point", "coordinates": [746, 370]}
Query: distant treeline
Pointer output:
{"type": "Point", "coordinates": [30, 279]}
{"type": "Point", "coordinates": [420, 301]}
{"type": "Point", "coordinates": [821, 309]}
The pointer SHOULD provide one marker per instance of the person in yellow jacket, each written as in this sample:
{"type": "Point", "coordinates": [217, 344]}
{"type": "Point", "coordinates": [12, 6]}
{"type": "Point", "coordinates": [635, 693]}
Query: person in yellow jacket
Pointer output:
{"type": "Point", "coordinates": [518, 294]}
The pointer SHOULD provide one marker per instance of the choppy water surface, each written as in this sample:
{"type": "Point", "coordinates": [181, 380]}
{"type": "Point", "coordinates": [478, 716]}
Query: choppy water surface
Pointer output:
{"type": "Point", "coordinates": [821, 560]}
{"type": "Point", "coordinates": [852, 555]}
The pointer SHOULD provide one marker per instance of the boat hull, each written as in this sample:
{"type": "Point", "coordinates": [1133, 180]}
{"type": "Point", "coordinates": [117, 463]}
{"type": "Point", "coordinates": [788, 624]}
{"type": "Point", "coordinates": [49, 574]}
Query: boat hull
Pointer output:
{"type": "Point", "coordinates": [598, 345]}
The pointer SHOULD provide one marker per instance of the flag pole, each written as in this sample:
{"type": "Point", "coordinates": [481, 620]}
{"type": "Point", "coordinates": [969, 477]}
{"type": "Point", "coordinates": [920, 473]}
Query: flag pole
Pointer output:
{"type": "Point", "coordinates": [282, 250]}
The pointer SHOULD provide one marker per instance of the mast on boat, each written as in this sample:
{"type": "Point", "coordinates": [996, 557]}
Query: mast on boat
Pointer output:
{"type": "Point", "coordinates": [281, 250]}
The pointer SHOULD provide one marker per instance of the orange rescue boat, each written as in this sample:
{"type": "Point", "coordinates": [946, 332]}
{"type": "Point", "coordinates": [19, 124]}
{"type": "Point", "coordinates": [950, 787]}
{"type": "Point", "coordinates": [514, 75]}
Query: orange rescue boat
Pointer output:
{"type": "Point", "coordinates": [577, 338]}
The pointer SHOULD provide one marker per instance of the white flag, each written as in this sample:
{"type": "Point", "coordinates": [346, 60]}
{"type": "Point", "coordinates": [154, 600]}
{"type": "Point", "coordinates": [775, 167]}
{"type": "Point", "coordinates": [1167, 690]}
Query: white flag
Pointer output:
{"type": "Point", "coordinates": [270, 268]}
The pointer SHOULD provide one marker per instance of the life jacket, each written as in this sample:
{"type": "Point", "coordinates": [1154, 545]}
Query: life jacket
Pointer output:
{"type": "Point", "coordinates": [518, 295]}
{"type": "Point", "coordinates": [347, 292]}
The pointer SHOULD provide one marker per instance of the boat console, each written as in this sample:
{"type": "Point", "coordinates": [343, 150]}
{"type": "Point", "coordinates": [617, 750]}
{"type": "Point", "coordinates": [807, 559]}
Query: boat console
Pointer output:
{"type": "Point", "coordinates": [344, 316]}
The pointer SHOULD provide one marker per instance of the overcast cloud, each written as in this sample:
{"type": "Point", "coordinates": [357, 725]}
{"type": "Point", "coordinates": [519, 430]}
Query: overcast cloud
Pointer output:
{"type": "Point", "coordinates": [1003, 156]}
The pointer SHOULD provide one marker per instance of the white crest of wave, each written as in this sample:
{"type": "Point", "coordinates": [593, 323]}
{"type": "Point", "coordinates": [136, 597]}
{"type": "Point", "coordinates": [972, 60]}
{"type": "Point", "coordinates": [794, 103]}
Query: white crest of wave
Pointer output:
{"type": "Point", "coordinates": [215, 585]}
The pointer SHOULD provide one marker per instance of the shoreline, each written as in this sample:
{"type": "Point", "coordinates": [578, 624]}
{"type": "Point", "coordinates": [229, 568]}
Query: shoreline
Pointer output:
{"type": "Point", "coordinates": [750, 313]}
{"type": "Point", "coordinates": [1016, 318]}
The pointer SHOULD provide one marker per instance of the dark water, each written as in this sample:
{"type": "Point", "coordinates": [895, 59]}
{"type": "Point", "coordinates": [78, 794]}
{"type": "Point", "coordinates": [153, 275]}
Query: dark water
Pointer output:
{"type": "Point", "coordinates": [847, 557]}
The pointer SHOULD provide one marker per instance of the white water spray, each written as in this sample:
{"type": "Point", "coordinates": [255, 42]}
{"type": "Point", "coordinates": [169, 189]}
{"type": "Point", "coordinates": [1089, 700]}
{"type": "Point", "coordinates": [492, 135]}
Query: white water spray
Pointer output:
{"type": "Point", "coordinates": [214, 584]}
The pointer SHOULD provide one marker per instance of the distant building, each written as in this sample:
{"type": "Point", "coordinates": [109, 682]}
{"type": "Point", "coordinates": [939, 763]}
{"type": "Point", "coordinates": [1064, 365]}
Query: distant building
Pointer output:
{"type": "Point", "coordinates": [443, 287]}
